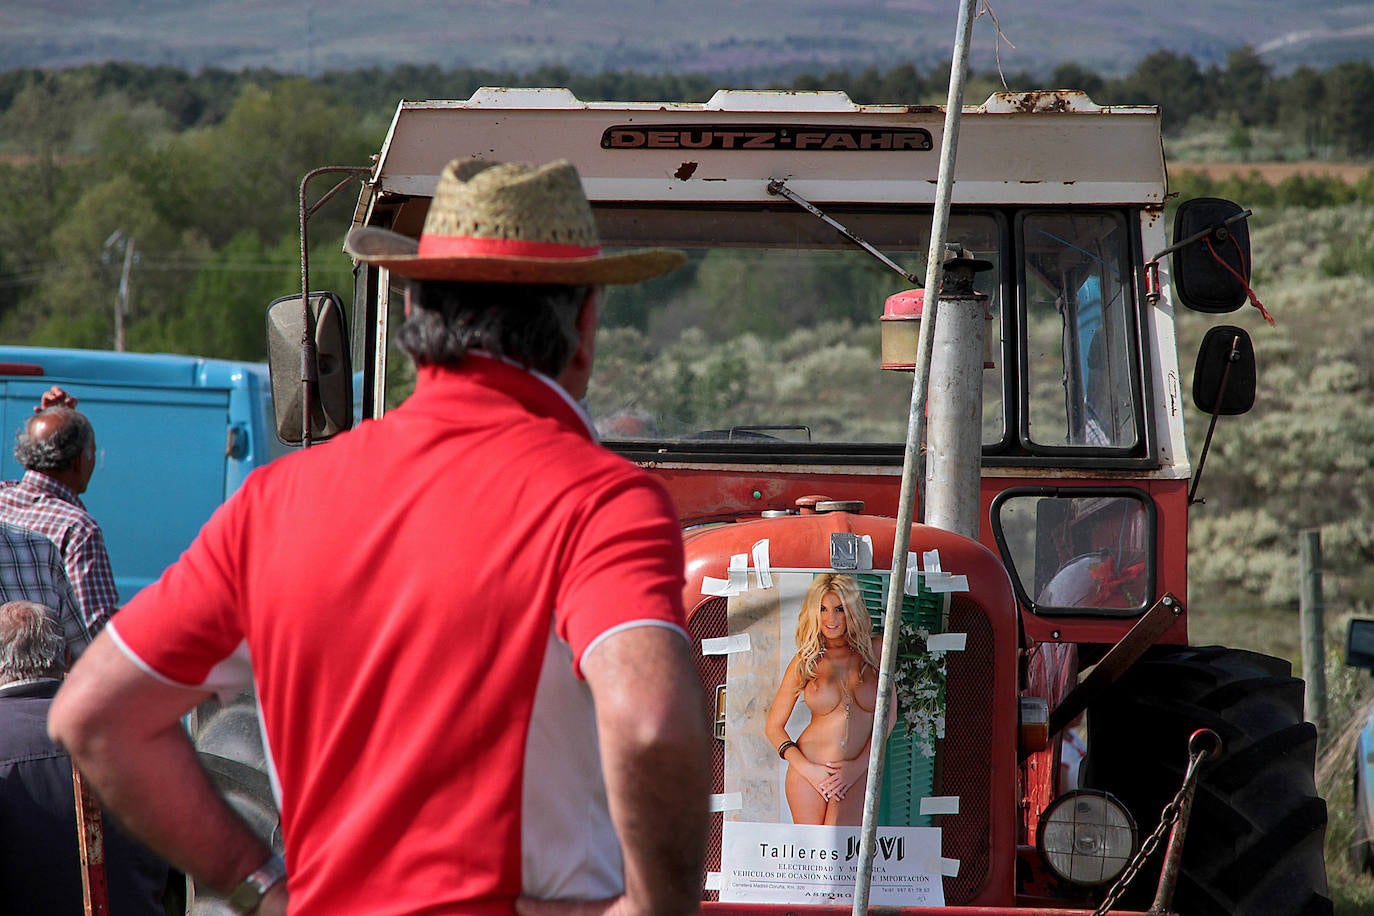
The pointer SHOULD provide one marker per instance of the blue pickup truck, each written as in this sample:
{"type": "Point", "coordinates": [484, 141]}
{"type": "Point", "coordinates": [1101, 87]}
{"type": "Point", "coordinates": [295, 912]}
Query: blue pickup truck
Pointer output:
{"type": "Point", "coordinates": [175, 436]}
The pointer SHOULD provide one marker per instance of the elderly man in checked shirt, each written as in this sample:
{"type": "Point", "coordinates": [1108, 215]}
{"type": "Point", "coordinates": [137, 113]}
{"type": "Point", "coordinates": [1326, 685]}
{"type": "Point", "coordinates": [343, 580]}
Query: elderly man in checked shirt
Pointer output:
{"type": "Point", "coordinates": [31, 570]}
{"type": "Point", "coordinates": [57, 449]}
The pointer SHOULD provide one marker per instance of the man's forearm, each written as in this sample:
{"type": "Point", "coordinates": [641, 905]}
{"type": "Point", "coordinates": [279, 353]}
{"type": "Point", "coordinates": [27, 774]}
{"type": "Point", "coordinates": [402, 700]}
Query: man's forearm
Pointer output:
{"type": "Point", "coordinates": [658, 801]}
{"type": "Point", "coordinates": [654, 749]}
{"type": "Point", "coordinates": [123, 729]}
{"type": "Point", "coordinates": [170, 803]}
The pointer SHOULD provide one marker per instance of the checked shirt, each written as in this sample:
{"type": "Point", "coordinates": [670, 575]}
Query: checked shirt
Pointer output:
{"type": "Point", "coordinates": [46, 507]}
{"type": "Point", "coordinates": [31, 570]}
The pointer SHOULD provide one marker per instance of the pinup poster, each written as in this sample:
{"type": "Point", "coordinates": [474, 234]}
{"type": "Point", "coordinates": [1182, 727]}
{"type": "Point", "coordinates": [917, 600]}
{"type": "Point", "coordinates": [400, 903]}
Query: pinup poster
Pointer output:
{"type": "Point", "coordinates": [791, 826]}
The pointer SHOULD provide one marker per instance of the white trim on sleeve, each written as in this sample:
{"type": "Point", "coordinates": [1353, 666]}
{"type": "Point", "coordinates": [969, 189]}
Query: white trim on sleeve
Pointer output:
{"type": "Point", "coordinates": [230, 675]}
{"type": "Point", "coordinates": [627, 625]}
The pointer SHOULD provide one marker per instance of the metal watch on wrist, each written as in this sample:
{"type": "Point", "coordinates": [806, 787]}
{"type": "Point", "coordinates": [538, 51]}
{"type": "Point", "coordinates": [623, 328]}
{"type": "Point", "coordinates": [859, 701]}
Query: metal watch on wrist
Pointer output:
{"type": "Point", "coordinates": [245, 898]}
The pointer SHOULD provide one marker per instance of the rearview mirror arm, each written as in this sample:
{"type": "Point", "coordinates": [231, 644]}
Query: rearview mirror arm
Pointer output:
{"type": "Point", "coordinates": [1216, 412]}
{"type": "Point", "coordinates": [309, 368]}
{"type": "Point", "coordinates": [1197, 236]}
{"type": "Point", "coordinates": [1152, 290]}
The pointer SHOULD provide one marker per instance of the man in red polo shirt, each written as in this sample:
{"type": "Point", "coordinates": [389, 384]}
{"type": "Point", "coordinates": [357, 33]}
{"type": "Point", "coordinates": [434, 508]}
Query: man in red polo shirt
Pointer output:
{"type": "Point", "coordinates": [463, 621]}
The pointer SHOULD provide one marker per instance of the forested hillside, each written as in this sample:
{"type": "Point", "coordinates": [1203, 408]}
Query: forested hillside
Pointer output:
{"type": "Point", "coordinates": [760, 40]}
{"type": "Point", "coordinates": [199, 175]}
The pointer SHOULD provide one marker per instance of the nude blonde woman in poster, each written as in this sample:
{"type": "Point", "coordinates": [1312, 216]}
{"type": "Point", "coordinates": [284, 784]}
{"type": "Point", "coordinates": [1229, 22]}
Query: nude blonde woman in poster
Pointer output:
{"type": "Point", "coordinates": [835, 672]}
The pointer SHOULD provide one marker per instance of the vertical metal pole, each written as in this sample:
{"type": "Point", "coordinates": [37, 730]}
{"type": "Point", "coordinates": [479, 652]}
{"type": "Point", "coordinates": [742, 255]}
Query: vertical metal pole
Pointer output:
{"type": "Point", "coordinates": [954, 451]}
{"type": "Point", "coordinates": [309, 358]}
{"type": "Point", "coordinates": [911, 464]}
{"type": "Point", "coordinates": [1311, 616]}
{"type": "Point", "coordinates": [380, 353]}
{"type": "Point", "coordinates": [307, 324]}
{"type": "Point", "coordinates": [122, 300]}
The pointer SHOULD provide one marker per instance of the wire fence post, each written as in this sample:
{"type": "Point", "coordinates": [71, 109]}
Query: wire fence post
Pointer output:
{"type": "Point", "coordinates": [1311, 615]}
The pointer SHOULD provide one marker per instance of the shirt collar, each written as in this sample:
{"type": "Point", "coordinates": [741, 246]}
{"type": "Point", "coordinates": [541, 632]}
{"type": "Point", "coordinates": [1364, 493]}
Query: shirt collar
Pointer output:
{"type": "Point", "coordinates": [31, 687]}
{"type": "Point", "coordinates": [37, 480]}
{"type": "Point", "coordinates": [533, 389]}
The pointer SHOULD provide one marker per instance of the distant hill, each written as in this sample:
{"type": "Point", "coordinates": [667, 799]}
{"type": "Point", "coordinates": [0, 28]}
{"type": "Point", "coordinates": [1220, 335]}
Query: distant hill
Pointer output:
{"type": "Point", "coordinates": [757, 38]}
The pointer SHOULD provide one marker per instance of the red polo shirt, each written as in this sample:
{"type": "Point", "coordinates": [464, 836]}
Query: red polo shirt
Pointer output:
{"type": "Point", "coordinates": [415, 597]}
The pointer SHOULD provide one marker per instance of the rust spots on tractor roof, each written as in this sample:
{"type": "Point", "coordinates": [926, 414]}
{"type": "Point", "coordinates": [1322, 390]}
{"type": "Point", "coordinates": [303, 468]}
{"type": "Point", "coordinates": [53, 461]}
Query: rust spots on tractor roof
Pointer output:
{"type": "Point", "coordinates": [1043, 101]}
{"type": "Point", "coordinates": [685, 171]}
{"type": "Point", "coordinates": [1048, 100]}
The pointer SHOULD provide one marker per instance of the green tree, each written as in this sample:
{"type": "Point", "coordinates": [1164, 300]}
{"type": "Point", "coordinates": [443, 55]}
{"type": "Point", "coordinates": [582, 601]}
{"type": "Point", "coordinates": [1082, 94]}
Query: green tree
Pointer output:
{"type": "Point", "coordinates": [1349, 89]}
{"type": "Point", "coordinates": [73, 304]}
{"type": "Point", "coordinates": [1073, 76]}
{"type": "Point", "coordinates": [222, 313]}
{"type": "Point", "coordinates": [1246, 88]}
{"type": "Point", "coordinates": [33, 197]}
{"type": "Point", "coordinates": [245, 174]}
{"type": "Point", "coordinates": [1170, 80]}
{"type": "Point", "coordinates": [1301, 103]}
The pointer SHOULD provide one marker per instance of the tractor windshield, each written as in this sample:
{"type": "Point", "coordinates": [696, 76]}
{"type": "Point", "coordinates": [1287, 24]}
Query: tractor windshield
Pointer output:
{"type": "Point", "coordinates": [769, 340]}
{"type": "Point", "coordinates": [771, 335]}
{"type": "Point", "coordinates": [771, 332]}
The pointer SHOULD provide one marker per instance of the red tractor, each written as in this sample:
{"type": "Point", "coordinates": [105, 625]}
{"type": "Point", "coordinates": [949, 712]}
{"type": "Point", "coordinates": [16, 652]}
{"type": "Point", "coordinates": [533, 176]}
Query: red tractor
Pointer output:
{"type": "Point", "coordinates": [1044, 703]}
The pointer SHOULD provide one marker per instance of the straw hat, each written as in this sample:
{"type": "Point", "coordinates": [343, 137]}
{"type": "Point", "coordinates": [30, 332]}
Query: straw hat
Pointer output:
{"type": "Point", "coordinates": [508, 223]}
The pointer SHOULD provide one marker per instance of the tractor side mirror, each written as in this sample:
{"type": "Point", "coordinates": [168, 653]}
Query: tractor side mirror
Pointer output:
{"type": "Point", "coordinates": [1224, 378]}
{"type": "Point", "coordinates": [1359, 643]}
{"type": "Point", "coordinates": [330, 370]}
{"type": "Point", "coordinates": [1211, 255]}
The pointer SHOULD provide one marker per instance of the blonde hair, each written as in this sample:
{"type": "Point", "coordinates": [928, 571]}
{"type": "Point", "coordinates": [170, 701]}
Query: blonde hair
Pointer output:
{"type": "Point", "coordinates": [858, 629]}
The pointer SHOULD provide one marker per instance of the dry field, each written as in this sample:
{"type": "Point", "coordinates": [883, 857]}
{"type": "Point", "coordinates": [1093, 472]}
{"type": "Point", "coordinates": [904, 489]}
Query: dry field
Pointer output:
{"type": "Point", "coordinates": [1274, 172]}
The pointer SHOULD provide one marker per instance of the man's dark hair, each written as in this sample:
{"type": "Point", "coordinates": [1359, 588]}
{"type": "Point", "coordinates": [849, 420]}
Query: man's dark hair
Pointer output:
{"type": "Point", "coordinates": [532, 324]}
{"type": "Point", "coordinates": [66, 441]}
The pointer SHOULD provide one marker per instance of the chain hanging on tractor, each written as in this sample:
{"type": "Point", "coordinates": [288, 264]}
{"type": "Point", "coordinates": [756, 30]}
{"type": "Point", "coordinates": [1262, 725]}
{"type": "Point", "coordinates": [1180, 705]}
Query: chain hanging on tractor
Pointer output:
{"type": "Point", "coordinates": [1203, 745]}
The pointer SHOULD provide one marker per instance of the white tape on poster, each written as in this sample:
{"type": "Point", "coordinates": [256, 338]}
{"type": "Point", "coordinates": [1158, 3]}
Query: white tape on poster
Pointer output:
{"type": "Point", "coordinates": [946, 582]}
{"type": "Point", "coordinates": [727, 801]}
{"type": "Point", "coordinates": [718, 588]}
{"type": "Point", "coordinates": [939, 804]}
{"type": "Point", "coordinates": [939, 582]}
{"type": "Point", "coordinates": [865, 553]}
{"type": "Point", "coordinates": [739, 572]}
{"type": "Point", "coordinates": [935, 642]}
{"type": "Point", "coordinates": [729, 588]}
{"type": "Point", "coordinates": [762, 568]}
{"type": "Point", "coordinates": [725, 645]}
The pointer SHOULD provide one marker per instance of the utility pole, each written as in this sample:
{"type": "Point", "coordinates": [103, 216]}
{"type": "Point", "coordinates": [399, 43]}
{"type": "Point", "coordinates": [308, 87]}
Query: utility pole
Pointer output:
{"type": "Point", "coordinates": [122, 296]}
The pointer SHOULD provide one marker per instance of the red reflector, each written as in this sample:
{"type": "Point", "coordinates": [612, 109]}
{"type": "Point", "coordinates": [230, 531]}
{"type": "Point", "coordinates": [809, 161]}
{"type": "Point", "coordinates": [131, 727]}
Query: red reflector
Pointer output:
{"type": "Point", "coordinates": [20, 369]}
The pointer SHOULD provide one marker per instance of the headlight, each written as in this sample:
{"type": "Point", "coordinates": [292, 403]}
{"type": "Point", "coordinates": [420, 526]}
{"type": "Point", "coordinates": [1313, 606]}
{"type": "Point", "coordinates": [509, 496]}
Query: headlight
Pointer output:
{"type": "Point", "coordinates": [1087, 837]}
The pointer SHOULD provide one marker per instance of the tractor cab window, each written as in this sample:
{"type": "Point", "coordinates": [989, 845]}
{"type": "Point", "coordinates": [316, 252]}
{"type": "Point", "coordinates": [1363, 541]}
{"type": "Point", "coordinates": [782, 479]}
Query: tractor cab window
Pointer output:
{"type": "Point", "coordinates": [769, 339]}
{"type": "Point", "coordinates": [1078, 335]}
{"type": "Point", "coordinates": [1076, 550]}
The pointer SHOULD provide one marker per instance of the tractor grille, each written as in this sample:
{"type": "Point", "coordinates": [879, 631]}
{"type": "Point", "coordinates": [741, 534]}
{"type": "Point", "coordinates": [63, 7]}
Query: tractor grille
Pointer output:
{"type": "Point", "coordinates": [708, 622]}
{"type": "Point", "coordinates": [963, 757]}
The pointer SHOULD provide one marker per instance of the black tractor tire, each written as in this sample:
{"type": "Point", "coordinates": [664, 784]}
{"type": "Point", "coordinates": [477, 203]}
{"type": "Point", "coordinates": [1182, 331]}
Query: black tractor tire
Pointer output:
{"type": "Point", "coordinates": [1254, 844]}
{"type": "Point", "coordinates": [228, 743]}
